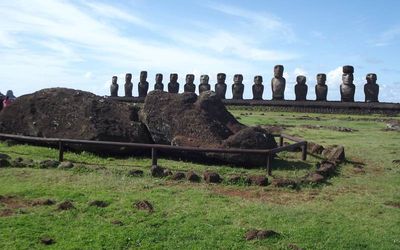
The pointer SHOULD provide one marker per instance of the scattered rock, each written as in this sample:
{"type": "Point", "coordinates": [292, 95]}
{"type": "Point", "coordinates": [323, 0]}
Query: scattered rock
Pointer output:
{"type": "Point", "coordinates": [251, 234]}
{"type": "Point", "coordinates": [6, 212]}
{"type": "Point", "coordinates": [259, 180]}
{"type": "Point", "coordinates": [334, 153]}
{"type": "Point", "coordinates": [4, 163]}
{"type": "Point", "coordinates": [393, 125]}
{"type": "Point", "coordinates": [284, 183]}
{"type": "Point", "coordinates": [260, 234]}
{"type": "Point", "coordinates": [44, 202]}
{"type": "Point", "coordinates": [167, 172]}
{"type": "Point", "coordinates": [313, 178]}
{"type": "Point", "coordinates": [66, 205]}
{"type": "Point", "coordinates": [358, 169]}
{"type": "Point", "coordinates": [326, 168]}
{"type": "Point", "coordinates": [19, 162]}
{"type": "Point", "coordinates": [117, 222]}
{"type": "Point", "coordinates": [65, 165]}
{"type": "Point", "coordinates": [157, 171]}
{"type": "Point", "coordinates": [135, 173]}
{"type": "Point", "coordinates": [192, 177]}
{"type": "Point", "coordinates": [314, 148]}
{"type": "Point", "coordinates": [178, 176]}
{"type": "Point", "coordinates": [49, 164]}
{"type": "Point", "coordinates": [144, 205]}
{"type": "Point", "coordinates": [294, 247]}
{"type": "Point", "coordinates": [238, 179]}
{"type": "Point", "coordinates": [98, 203]}
{"type": "Point", "coordinates": [212, 177]}
{"type": "Point", "coordinates": [47, 241]}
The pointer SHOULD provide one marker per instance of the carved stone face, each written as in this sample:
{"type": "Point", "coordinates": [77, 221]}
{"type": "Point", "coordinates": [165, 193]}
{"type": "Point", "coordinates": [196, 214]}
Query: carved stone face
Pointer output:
{"type": "Point", "coordinates": [128, 77]}
{"type": "Point", "coordinates": [321, 79]}
{"type": "Point", "coordinates": [221, 77]}
{"type": "Point", "coordinates": [371, 78]}
{"type": "Point", "coordinates": [204, 79]}
{"type": "Point", "coordinates": [278, 71]}
{"type": "Point", "coordinates": [114, 80]}
{"type": "Point", "coordinates": [173, 77]}
{"type": "Point", "coordinates": [159, 78]}
{"type": "Point", "coordinates": [189, 78]}
{"type": "Point", "coordinates": [301, 80]}
{"type": "Point", "coordinates": [347, 79]}
{"type": "Point", "coordinates": [238, 78]}
{"type": "Point", "coordinates": [258, 79]}
{"type": "Point", "coordinates": [143, 76]}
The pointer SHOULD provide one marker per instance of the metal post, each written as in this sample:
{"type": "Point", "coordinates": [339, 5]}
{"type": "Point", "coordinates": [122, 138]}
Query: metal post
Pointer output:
{"type": "Point", "coordinates": [304, 151]}
{"type": "Point", "coordinates": [269, 163]}
{"type": "Point", "coordinates": [153, 157]}
{"type": "Point", "coordinates": [61, 151]}
{"type": "Point", "coordinates": [280, 141]}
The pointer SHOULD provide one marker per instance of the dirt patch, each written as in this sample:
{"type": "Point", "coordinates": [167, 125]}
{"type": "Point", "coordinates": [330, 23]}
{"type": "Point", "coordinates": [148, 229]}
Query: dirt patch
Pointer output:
{"type": "Point", "coordinates": [144, 205]}
{"type": "Point", "coordinates": [43, 202]}
{"type": "Point", "coordinates": [6, 212]}
{"type": "Point", "coordinates": [117, 222]}
{"type": "Point", "coordinates": [11, 203]}
{"type": "Point", "coordinates": [260, 234]}
{"type": "Point", "coordinates": [392, 204]}
{"type": "Point", "coordinates": [294, 247]}
{"type": "Point", "coordinates": [66, 205]}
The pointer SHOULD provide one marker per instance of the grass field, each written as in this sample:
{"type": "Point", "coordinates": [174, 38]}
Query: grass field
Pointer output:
{"type": "Point", "coordinates": [353, 210]}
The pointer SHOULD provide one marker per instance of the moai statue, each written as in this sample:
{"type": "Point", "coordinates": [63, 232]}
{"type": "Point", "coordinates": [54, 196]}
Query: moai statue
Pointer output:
{"type": "Point", "coordinates": [10, 95]}
{"type": "Point", "coordinates": [220, 86]}
{"type": "Point", "coordinates": [204, 85]}
{"type": "Point", "coordinates": [347, 88]}
{"type": "Point", "coordinates": [143, 85]}
{"type": "Point", "coordinates": [159, 85]}
{"type": "Point", "coordinates": [371, 88]}
{"type": "Point", "coordinates": [189, 86]}
{"type": "Point", "coordinates": [114, 86]}
{"type": "Point", "coordinates": [300, 89]}
{"type": "Point", "coordinates": [128, 85]}
{"type": "Point", "coordinates": [237, 87]}
{"type": "Point", "coordinates": [278, 83]}
{"type": "Point", "coordinates": [258, 88]}
{"type": "Point", "coordinates": [173, 85]}
{"type": "Point", "coordinates": [321, 89]}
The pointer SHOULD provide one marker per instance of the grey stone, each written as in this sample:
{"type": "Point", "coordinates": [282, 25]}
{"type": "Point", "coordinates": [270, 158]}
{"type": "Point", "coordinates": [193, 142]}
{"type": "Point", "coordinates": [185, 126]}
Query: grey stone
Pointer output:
{"type": "Point", "coordinates": [220, 86]}
{"type": "Point", "coordinates": [173, 85]}
{"type": "Point", "coordinates": [237, 87]}
{"type": "Point", "coordinates": [301, 88]}
{"type": "Point", "coordinates": [128, 85]}
{"type": "Point", "coordinates": [114, 86]}
{"type": "Point", "coordinates": [321, 89]}
{"type": "Point", "coordinates": [258, 88]}
{"type": "Point", "coordinates": [371, 88]}
{"type": "Point", "coordinates": [159, 85]}
{"type": "Point", "coordinates": [65, 165]}
{"type": "Point", "coordinates": [189, 86]}
{"type": "Point", "coordinates": [143, 85]}
{"type": "Point", "coordinates": [278, 83]}
{"type": "Point", "coordinates": [347, 88]}
{"type": "Point", "coordinates": [204, 85]}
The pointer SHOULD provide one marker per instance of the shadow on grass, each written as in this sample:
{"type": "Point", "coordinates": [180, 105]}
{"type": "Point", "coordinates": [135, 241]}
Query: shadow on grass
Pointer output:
{"type": "Point", "coordinates": [281, 164]}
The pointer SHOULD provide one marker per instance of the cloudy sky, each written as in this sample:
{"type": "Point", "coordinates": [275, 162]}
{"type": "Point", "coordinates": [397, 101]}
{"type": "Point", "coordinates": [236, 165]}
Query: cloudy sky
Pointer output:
{"type": "Point", "coordinates": [82, 44]}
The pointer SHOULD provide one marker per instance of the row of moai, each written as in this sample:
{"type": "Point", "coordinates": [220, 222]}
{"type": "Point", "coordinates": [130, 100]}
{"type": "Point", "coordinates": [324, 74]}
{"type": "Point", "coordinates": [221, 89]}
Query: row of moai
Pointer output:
{"type": "Point", "coordinates": [278, 85]}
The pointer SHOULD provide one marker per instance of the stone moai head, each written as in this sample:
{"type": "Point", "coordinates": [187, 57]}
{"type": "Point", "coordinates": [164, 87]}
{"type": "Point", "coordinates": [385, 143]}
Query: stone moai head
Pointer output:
{"type": "Point", "coordinates": [221, 77]}
{"type": "Point", "coordinates": [159, 78]}
{"type": "Point", "coordinates": [258, 79]}
{"type": "Point", "coordinates": [301, 80]}
{"type": "Point", "coordinates": [114, 80]}
{"type": "Point", "coordinates": [143, 76]}
{"type": "Point", "coordinates": [173, 77]}
{"type": "Point", "coordinates": [128, 77]}
{"type": "Point", "coordinates": [189, 78]}
{"type": "Point", "coordinates": [278, 71]}
{"type": "Point", "coordinates": [238, 78]}
{"type": "Point", "coordinates": [321, 79]}
{"type": "Point", "coordinates": [371, 78]}
{"type": "Point", "coordinates": [204, 79]}
{"type": "Point", "coordinates": [347, 77]}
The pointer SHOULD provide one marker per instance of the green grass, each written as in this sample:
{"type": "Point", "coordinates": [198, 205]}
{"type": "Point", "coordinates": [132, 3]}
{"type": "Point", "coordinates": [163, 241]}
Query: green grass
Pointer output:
{"type": "Point", "coordinates": [348, 212]}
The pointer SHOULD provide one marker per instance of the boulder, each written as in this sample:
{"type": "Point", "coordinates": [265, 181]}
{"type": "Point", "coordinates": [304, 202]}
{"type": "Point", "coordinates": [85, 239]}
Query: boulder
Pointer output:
{"type": "Point", "coordinates": [259, 180]}
{"type": "Point", "coordinates": [326, 168]}
{"type": "Point", "coordinates": [212, 177]}
{"type": "Point", "coordinates": [73, 114]}
{"type": "Point", "coordinates": [193, 177]}
{"type": "Point", "coordinates": [49, 164]}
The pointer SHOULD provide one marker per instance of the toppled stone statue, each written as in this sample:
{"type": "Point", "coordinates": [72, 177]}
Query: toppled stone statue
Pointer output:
{"type": "Point", "coordinates": [301, 88]}
{"type": "Point", "coordinates": [173, 85]}
{"type": "Point", "coordinates": [347, 88]}
{"type": "Point", "coordinates": [114, 86]}
{"type": "Point", "coordinates": [128, 85]}
{"type": "Point", "coordinates": [159, 85]}
{"type": "Point", "coordinates": [321, 89]}
{"type": "Point", "coordinates": [189, 86]}
{"type": "Point", "coordinates": [237, 87]}
{"type": "Point", "coordinates": [371, 88]}
{"type": "Point", "coordinates": [258, 88]}
{"type": "Point", "coordinates": [220, 86]}
{"type": "Point", "coordinates": [143, 85]}
{"type": "Point", "coordinates": [278, 83]}
{"type": "Point", "coordinates": [204, 85]}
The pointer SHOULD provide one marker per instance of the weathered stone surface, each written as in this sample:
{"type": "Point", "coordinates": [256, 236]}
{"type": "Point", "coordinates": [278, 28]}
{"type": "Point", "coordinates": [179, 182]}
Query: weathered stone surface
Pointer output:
{"type": "Point", "coordinates": [313, 178]}
{"type": "Point", "coordinates": [326, 168]}
{"type": "Point", "coordinates": [347, 88]}
{"type": "Point", "coordinates": [258, 88]}
{"type": "Point", "coordinates": [178, 176]}
{"type": "Point", "coordinates": [144, 205]}
{"type": "Point", "coordinates": [114, 86]}
{"type": "Point", "coordinates": [159, 85]}
{"type": "Point", "coordinates": [314, 148]}
{"type": "Point", "coordinates": [66, 205]}
{"type": "Point", "coordinates": [192, 177]}
{"type": "Point", "coordinates": [334, 153]}
{"type": "Point", "coordinates": [49, 164]}
{"type": "Point", "coordinates": [284, 183]}
{"type": "Point", "coordinates": [135, 173]}
{"type": "Point", "coordinates": [258, 180]}
{"type": "Point", "coordinates": [300, 89]}
{"type": "Point", "coordinates": [143, 85]}
{"type": "Point", "coordinates": [73, 114]}
{"type": "Point", "coordinates": [321, 89]}
{"type": "Point", "coordinates": [237, 87]}
{"type": "Point", "coordinates": [65, 165]}
{"type": "Point", "coordinates": [371, 88]}
{"type": "Point", "coordinates": [157, 171]}
{"type": "Point", "coordinates": [4, 163]}
{"type": "Point", "coordinates": [278, 83]}
{"type": "Point", "coordinates": [238, 179]}
{"type": "Point", "coordinates": [220, 86]}
{"type": "Point", "coordinates": [212, 177]}
{"type": "Point", "coordinates": [260, 234]}
{"type": "Point", "coordinates": [128, 85]}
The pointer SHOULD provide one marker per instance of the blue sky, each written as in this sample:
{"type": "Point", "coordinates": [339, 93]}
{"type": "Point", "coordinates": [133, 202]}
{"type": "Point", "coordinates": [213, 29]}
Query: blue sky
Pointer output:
{"type": "Point", "coordinates": [82, 44]}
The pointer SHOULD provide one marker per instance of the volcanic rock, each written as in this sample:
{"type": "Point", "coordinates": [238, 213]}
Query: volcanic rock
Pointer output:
{"type": "Point", "coordinates": [334, 153]}
{"type": "Point", "coordinates": [212, 177]}
{"type": "Point", "coordinates": [258, 180]}
{"type": "Point", "coordinates": [178, 176]}
{"type": "Point", "coordinates": [65, 165]}
{"type": "Point", "coordinates": [192, 177]}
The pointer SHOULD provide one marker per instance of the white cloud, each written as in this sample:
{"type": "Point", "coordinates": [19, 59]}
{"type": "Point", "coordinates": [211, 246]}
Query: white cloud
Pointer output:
{"type": "Point", "coordinates": [387, 37]}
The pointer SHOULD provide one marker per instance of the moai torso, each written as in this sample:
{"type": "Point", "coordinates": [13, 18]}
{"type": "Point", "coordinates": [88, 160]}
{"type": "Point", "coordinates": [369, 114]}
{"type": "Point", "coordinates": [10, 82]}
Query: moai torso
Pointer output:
{"type": "Point", "coordinates": [159, 85]}
{"type": "Point", "coordinates": [258, 88]}
{"type": "Point", "coordinates": [237, 87]}
{"type": "Point", "coordinates": [173, 85]}
{"type": "Point", "coordinates": [114, 86]}
{"type": "Point", "coordinates": [278, 84]}
{"type": "Point", "coordinates": [189, 86]}
{"type": "Point", "coordinates": [371, 88]}
{"type": "Point", "coordinates": [143, 85]}
{"type": "Point", "coordinates": [128, 85]}
{"type": "Point", "coordinates": [347, 88]}
{"type": "Point", "coordinates": [204, 85]}
{"type": "Point", "coordinates": [220, 86]}
{"type": "Point", "coordinates": [321, 89]}
{"type": "Point", "coordinates": [300, 89]}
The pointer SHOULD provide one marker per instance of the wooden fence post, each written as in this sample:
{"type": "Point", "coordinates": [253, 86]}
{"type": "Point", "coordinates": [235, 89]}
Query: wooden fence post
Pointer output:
{"type": "Point", "coordinates": [61, 151]}
{"type": "Point", "coordinates": [269, 163]}
{"type": "Point", "coordinates": [153, 157]}
{"type": "Point", "coordinates": [304, 151]}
